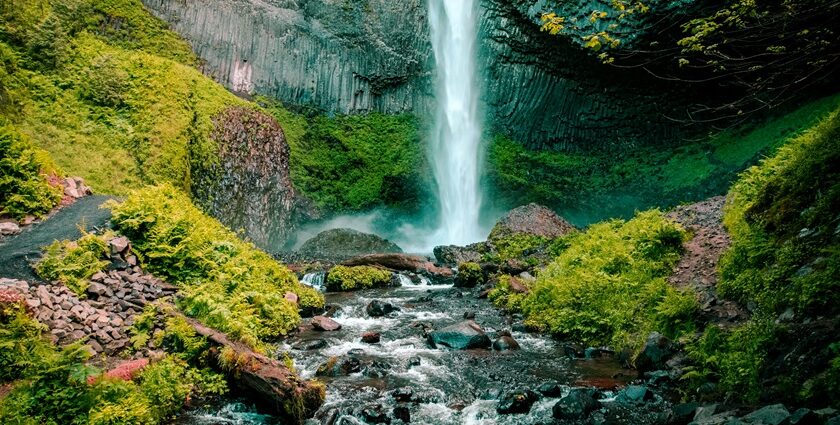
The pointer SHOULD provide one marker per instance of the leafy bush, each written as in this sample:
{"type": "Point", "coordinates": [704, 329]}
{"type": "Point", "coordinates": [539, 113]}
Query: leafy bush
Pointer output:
{"type": "Point", "coordinates": [469, 274]}
{"type": "Point", "coordinates": [226, 283]}
{"type": "Point", "coordinates": [168, 383]}
{"type": "Point", "coordinates": [608, 287]}
{"type": "Point", "coordinates": [24, 189]}
{"type": "Point", "coordinates": [74, 262]}
{"type": "Point", "coordinates": [117, 402]}
{"type": "Point", "coordinates": [504, 297]}
{"type": "Point", "coordinates": [344, 278]}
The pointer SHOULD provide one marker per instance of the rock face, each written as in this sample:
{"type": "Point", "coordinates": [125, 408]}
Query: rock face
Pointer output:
{"type": "Point", "coordinates": [462, 336]}
{"type": "Point", "coordinates": [531, 219]}
{"type": "Point", "coordinates": [249, 186]}
{"type": "Point", "coordinates": [342, 244]}
{"type": "Point", "coordinates": [377, 56]}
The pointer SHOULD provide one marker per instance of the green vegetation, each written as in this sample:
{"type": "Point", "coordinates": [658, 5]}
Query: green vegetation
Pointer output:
{"type": "Point", "coordinates": [608, 287]}
{"type": "Point", "coordinates": [24, 189]}
{"type": "Point", "coordinates": [469, 275]}
{"type": "Point", "coordinates": [107, 90]}
{"type": "Point", "coordinates": [785, 255]}
{"type": "Point", "coordinates": [355, 162]}
{"type": "Point", "coordinates": [53, 385]}
{"type": "Point", "coordinates": [653, 175]}
{"type": "Point", "coordinates": [344, 278]}
{"type": "Point", "coordinates": [74, 262]}
{"type": "Point", "coordinates": [226, 283]}
{"type": "Point", "coordinates": [506, 298]}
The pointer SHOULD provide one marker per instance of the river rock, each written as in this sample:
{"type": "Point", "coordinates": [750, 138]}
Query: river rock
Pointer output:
{"type": "Point", "coordinates": [402, 413]}
{"type": "Point", "coordinates": [656, 352]}
{"type": "Point", "coordinates": [8, 228]}
{"type": "Point", "coordinates": [402, 394]}
{"type": "Point", "coordinates": [321, 323]}
{"type": "Point", "coordinates": [635, 394]}
{"type": "Point", "coordinates": [375, 414]}
{"type": "Point", "coordinates": [505, 343]}
{"type": "Point", "coordinates": [551, 389]}
{"type": "Point", "coordinates": [531, 219]}
{"type": "Point", "coordinates": [342, 244]}
{"type": "Point", "coordinates": [768, 415]}
{"type": "Point", "coordinates": [336, 366]}
{"type": "Point", "coordinates": [802, 416]}
{"type": "Point", "coordinates": [315, 344]}
{"type": "Point", "coordinates": [378, 308]}
{"type": "Point", "coordinates": [578, 404]}
{"type": "Point", "coordinates": [371, 337]}
{"type": "Point", "coordinates": [461, 336]}
{"type": "Point", "coordinates": [519, 401]}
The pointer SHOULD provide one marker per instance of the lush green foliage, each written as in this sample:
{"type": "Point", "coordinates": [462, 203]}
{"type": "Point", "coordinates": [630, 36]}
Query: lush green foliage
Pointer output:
{"type": "Point", "coordinates": [344, 278]}
{"type": "Point", "coordinates": [107, 90]}
{"type": "Point", "coordinates": [504, 297]}
{"type": "Point", "coordinates": [647, 176]}
{"type": "Point", "coordinates": [785, 254]}
{"type": "Point", "coordinates": [355, 162]}
{"type": "Point", "coordinates": [469, 274]}
{"type": "Point", "coordinates": [74, 262]}
{"type": "Point", "coordinates": [226, 283]}
{"type": "Point", "coordinates": [608, 287]}
{"type": "Point", "coordinates": [52, 383]}
{"type": "Point", "coordinates": [24, 189]}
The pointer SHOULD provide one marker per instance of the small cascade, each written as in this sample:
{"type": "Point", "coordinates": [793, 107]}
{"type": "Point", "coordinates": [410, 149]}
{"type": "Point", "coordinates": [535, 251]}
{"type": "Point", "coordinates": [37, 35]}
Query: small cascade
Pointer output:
{"type": "Point", "coordinates": [314, 279]}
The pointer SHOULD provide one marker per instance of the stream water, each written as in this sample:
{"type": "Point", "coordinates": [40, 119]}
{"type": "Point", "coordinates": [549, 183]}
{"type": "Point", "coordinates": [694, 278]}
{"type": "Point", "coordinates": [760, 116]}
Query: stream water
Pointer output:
{"type": "Point", "coordinates": [445, 386]}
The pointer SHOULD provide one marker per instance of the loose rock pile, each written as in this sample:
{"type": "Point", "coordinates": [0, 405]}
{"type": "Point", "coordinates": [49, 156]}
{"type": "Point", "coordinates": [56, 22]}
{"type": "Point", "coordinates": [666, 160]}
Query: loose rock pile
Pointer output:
{"type": "Point", "coordinates": [104, 317]}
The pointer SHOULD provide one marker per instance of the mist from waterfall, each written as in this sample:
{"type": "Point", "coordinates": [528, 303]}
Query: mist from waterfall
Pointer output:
{"type": "Point", "coordinates": [455, 144]}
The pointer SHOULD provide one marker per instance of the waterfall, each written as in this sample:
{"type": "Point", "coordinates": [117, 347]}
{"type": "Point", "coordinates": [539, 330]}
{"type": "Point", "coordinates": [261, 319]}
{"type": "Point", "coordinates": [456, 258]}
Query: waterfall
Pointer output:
{"type": "Point", "coordinates": [455, 145]}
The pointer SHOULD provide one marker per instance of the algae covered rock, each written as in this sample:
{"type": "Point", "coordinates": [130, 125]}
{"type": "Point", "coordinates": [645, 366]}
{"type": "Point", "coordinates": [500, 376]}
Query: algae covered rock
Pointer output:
{"type": "Point", "coordinates": [349, 278]}
{"type": "Point", "coordinates": [342, 244]}
{"type": "Point", "coordinates": [461, 336]}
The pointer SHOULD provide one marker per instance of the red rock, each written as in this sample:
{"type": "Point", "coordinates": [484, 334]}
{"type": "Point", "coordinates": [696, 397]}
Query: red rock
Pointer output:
{"type": "Point", "coordinates": [371, 337]}
{"type": "Point", "coordinates": [321, 323]}
{"type": "Point", "coordinates": [517, 286]}
{"type": "Point", "coordinates": [291, 297]}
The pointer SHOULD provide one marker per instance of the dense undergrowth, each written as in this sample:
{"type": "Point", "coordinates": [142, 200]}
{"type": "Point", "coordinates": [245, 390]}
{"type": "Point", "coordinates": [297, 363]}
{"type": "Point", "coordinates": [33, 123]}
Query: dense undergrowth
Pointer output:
{"type": "Point", "coordinates": [784, 262]}
{"type": "Point", "coordinates": [615, 184]}
{"type": "Point", "coordinates": [52, 385]}
{"type": "Point", "coordinates": [73, 263]}
{"type": "Point", "coordinates": [24, 188]}
{"type": "Point", "coordinates": [608, 287]}
{"type": "Point", "coordinates": [226, 283]}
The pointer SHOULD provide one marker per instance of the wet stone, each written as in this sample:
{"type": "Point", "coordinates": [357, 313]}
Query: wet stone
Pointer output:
{"type": "Point", "coordinates": [518, 401]}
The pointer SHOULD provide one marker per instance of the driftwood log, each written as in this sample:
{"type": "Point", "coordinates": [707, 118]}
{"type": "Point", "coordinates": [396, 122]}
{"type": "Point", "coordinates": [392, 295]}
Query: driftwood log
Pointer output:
{"type": "Point", "coordinates": [401, 262]}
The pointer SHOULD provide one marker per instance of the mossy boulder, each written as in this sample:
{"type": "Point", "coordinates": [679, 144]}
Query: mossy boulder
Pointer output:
{"type": "Point", "coordinates": [469, 275]}
{"type": "Point", "coordinates": [343, 244]}
{"type": "Point", "coordinates": [531, 219]}
{"type": "Point", "coordinates": [347, 278]}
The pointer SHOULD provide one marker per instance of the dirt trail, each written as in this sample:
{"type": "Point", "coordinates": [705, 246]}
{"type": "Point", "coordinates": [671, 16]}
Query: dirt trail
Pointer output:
{"type": "Point", "coordinates": [16, 252]}
{"type": "Point", "coordinates": [698, 267]}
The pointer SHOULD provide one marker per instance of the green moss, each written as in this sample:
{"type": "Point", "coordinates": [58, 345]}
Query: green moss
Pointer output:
{"type": "Point", "coordinates": [344, 278]}
{"type": "Point", "coordinates": [647, 176]}
{"type": "Point", "coordinates": [226, 283]}
{"type": "Point", "coordinates": [469, 275]}
{"type": "Point", "coordinates": [24, 189]}
{"type": "Point", "coordinates": [355, 162]}
{"type": "Point", "coordinates": [608, 287]}
{"type": "Point", "coordinates": [74, 262]}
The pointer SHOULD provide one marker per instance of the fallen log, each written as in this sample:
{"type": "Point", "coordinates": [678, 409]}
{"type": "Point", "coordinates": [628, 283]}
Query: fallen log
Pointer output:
{"type": "Point", "coordinates": [279, 389]}
{"type": "Point", "coordinates": [401, 262]}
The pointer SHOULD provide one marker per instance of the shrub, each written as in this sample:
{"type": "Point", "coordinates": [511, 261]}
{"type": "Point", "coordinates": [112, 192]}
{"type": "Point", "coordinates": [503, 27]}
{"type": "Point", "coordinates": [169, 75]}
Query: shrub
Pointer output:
{"type": "Point", "coordinates": [74, 262]}
{"type": "Point", "coordinates": [227, 283]}
{"type": "Point", "coordinates": [469, 275]}
{"type": "Point", "coordinates": [344, 278]}
{"type": "Point", "coordinates": [118, 402]}
{"type": "Point", "coordinates": [167, 385]}
{"type": "Point", "coordinates": [24, 189]}
{"type": "Point", "coordinates": [504, 297]}
{"type": "Point", "coordinates": [608, 287]}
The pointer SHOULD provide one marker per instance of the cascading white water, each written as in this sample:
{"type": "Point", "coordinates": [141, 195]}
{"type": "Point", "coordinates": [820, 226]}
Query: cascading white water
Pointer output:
{"type": "Point", "coordinates": [455, 147]}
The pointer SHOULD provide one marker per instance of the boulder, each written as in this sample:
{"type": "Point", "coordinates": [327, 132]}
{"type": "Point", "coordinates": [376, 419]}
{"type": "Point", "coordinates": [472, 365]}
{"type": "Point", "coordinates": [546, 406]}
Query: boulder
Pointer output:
{"type": "Point", "coordinates": [768, 415]}
{"type": "Point", "coordinates": [402, 413]}
{"type": "Point", "coordinates": [517, 286]}
{"type": "Point", "coordinates": [342, 244]}
{"type": "Point", "coordinates": [802, 416]}
{"type": "Point", "coordinates": [321, 323]}
{"type": "Point", "coordinates": [336, 366]}
{"type": "Point", "coordinates": [378, 308]}
{"type": "Point", "coordinates": [315, 344]}
{"type": "Point", "coordinates": [518, 401]}
{"type": "Point", "coordinates": [118, 245]}
{"type": "Point", "coordinates": [461, 336]}
{"type": "Point", "coordinates": [371, 337]}
{"type": "Point", "coordinates": [531, 219]}
{"type": "Point", "coordinates": [551, 389]}
{"type": "Point", "coordinates": [682, 413]}
{"type": "Point", "coordinates": [505, 343]}
{"type": "Point", "coordinates": [578, 404]}
{"type": "Point", "coordinates": [452, 255]}
{"type": "Point", "coordinates": [655, 353]}
{"type": "Point", "coordinates": [635, 394]}
{"type": "Point", "coordinates": [8, 228]}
